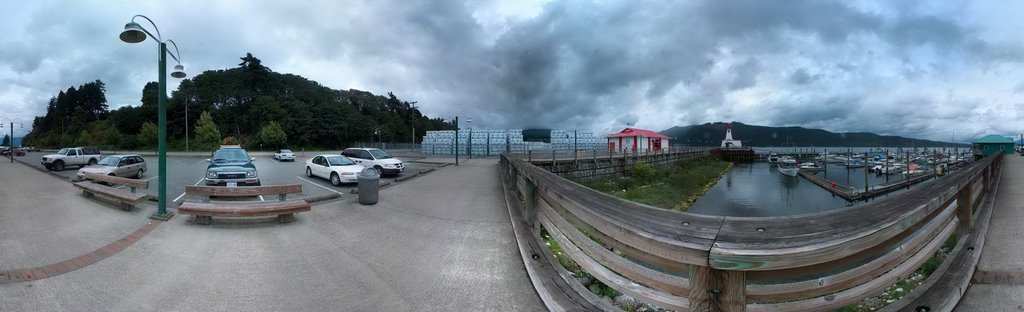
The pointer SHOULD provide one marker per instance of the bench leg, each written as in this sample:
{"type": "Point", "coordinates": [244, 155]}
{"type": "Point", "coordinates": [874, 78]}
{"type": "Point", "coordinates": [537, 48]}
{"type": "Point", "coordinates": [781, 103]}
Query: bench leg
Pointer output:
{"type": "Point", "coordinates": [126, 206]}
{"type": "Point", "coordinates": [87, 194]}
{"type": "Point", "coordinates": [204, 220]}
{"type": "Point", "coordinates": [285, 218]}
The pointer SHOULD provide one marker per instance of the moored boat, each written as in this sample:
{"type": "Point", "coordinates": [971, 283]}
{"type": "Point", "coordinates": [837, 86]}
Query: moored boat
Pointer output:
{"type": "Point", "coordinates": [788, 166]}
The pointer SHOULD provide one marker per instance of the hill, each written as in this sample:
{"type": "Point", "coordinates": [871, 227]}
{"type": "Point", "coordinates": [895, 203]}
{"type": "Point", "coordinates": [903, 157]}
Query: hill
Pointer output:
{"type": "Point", "coordinates": [762, 136]}
{"type": "Point", "coordinates": [249, 104]}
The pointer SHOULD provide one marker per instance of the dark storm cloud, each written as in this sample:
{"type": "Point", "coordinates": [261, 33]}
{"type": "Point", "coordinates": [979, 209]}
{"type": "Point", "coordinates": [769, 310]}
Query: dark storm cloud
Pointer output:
{"type": "Point", "coordinates": [800, 76]}
{"type": "Point", "coordinates": [587, 64]}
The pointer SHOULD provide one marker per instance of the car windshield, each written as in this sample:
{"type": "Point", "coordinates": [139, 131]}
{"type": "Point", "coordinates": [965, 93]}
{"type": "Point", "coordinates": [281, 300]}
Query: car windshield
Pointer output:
{"type": "Point", "coordinates": [286, 151]}
{"type": "Point", "coordinates": [109, 161]}
{"type": "Point", "coordinates": [379, 154]}
{"type": "Point", "coordinates": [230, 155]}
{"type": "Point", "coordinates": [340, 161]}
{"type": "Point", "coordinates": [63, 151]}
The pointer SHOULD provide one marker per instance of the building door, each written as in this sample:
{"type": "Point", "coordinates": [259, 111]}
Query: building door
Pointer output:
{"type": "Point", "coordinates": [611, 146]}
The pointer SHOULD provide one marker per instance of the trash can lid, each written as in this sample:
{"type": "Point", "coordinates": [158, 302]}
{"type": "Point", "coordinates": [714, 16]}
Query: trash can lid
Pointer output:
{"type": "Point", "coordinates": [368, 173]}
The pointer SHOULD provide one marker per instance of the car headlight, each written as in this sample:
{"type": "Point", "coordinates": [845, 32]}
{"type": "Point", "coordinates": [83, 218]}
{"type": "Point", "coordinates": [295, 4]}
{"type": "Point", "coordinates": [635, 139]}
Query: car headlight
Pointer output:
{"type": "Point", "coordinates": [211, 175]}
{"type": "Point", "coordinates": [251, 174]}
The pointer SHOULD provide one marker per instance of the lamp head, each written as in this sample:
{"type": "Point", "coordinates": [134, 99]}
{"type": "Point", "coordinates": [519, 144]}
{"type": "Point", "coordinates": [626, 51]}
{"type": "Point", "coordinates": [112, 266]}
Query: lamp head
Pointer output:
{"type": "Point", "coordinates": [178, 72]}
{"type": "Point", "coordinates": [133, 33]}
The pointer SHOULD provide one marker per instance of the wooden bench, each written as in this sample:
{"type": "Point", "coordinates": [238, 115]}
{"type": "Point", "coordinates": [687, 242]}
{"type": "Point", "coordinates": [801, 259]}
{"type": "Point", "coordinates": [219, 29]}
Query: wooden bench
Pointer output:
{"type": "Point", "coordinates": [282, 207]}
{"type": "Point", "coordinates": [126, 198]}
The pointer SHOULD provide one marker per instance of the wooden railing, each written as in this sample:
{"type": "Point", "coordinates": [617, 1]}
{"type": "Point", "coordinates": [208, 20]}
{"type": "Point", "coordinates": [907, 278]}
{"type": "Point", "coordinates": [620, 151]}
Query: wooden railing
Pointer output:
{"type": "Point", "coordinates": [685, 261]}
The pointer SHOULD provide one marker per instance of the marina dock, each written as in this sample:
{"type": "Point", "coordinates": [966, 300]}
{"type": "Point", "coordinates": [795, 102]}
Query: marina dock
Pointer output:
{"type": "Point", "coordinates": [855, 194]}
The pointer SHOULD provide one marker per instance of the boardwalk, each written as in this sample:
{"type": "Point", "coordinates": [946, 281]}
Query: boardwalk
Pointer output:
{"type": "Point", "coordinates": [998, 283]}
{"type": "Point", "coordinates": [440, 242]}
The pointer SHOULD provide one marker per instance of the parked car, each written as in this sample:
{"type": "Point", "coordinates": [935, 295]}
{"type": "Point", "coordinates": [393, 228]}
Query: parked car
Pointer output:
{"type": "Point", "coordinates": [284, 154]}
{"type": "Point", "coordinates": [133, 166]}
{"type": "Point", "coordinates": [72, 156]}
{"type": "Point", "coordinates": [375, 158]}
{"type": "Point", "coordinates": [17, 152]}
{"type": "Point", "coordinates": [336, 168]}
{"type": "Point", "coordinates": [231, 166]}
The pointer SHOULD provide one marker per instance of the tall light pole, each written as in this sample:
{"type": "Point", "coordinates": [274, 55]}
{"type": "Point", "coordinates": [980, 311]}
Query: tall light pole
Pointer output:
{"type": "Point", "coordinates": [134, 33]}
{"type": "Point", "coordinates": [10, 147]}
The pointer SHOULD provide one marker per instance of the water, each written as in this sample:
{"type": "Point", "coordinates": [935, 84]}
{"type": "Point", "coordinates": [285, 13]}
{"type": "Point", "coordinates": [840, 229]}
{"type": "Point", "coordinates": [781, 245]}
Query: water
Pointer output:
{"type": "Point", "coordinates": [759, 190]}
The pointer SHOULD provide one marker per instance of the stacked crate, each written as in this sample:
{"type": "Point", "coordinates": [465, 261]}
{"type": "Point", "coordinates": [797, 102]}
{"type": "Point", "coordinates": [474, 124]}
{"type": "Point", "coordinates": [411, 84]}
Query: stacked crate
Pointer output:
{"type": "Point", "coordinates": [484, 142]}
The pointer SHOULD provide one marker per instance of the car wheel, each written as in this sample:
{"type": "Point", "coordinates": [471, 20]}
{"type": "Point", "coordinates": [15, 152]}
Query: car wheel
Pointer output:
{"type": "Point", "coordinates": [380, 171]}
{"type": "Point", "coordinates": [59, 166]}
{"type": "Point", "coordinates": [138, 175]}
{"type": "Point", "coordinates": [92, 161]}
{"type": "Point", "coordinates": [309, 172]}
{"type": "Point", "coordinates": [335, 180]}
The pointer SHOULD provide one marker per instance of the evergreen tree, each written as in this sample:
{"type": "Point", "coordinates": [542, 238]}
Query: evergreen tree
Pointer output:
{"type": "Point", "coordinates": [148, 135]}
{"type": "Point", "coordinates": [83, 138]}
{"type": "Point", "coordinates": [207, 134]}
{"type": "Point", "coordinates": [7, 140]}
{"type": "Point", "coordinates": [273, 135]}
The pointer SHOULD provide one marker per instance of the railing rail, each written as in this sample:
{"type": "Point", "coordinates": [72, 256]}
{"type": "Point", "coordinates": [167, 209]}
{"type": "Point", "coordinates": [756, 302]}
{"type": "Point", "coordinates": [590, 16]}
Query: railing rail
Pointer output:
{"type": "Point", "coordinates": [681, 260]}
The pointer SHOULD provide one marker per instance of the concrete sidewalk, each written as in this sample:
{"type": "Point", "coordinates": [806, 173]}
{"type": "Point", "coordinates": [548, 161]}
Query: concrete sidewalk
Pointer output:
{"type": "Point", "coordinates": [442, 242]}
{"type": "Point", "coordinates": [998, 283]}
{"type": "Point", "coordinates": [45, 220]}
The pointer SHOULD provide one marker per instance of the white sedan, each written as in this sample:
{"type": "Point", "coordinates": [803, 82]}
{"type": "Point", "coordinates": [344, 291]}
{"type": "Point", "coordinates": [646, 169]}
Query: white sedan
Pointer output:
{"type": "Point", "coordinates": [336, 168]}
{"type": "Point", "coordinates": [284, 154]}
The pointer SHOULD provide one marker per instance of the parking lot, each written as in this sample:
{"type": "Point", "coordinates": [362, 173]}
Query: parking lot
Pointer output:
{"type": "Point", "coordinates": [190, 170]}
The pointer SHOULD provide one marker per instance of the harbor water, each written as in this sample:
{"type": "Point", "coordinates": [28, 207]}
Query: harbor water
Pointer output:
{"type": "Point", "coordinates": [759, 190]}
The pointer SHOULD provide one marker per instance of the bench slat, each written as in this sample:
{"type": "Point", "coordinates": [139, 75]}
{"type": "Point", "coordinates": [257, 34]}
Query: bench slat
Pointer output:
{"type": "Point", "coordinates": [243, 190]}
{"type": "Point", "coordinates": [110, 191]}
{"type": "Point", "coordinates": [243, 209]}
{"type": "Point", "coordinates": [118, 180]}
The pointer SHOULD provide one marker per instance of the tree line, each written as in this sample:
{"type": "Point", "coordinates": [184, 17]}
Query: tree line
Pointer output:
{"type": "Point", "coordinates": [249, 105]}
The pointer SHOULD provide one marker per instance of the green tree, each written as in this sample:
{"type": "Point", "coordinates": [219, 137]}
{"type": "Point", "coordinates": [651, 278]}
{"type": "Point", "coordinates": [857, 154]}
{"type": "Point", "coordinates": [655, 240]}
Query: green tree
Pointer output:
{"type": "Point", "coordinates": [273, 135]}
{"type": "Point", "coordinates": [84, 138]}
{"type": "Point", "coordinates": [148, 135]}
{"type": "Point", "coordinates": [111, 137]}
{"type": "Point", "coordinates": [207, 134]}
{"type": "Point", "coordinates": [7, 140]}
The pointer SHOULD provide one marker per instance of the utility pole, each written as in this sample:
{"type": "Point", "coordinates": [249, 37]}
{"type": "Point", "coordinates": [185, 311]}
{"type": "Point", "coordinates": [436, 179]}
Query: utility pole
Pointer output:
{"type": "Point", "coordinates": [456, 140]}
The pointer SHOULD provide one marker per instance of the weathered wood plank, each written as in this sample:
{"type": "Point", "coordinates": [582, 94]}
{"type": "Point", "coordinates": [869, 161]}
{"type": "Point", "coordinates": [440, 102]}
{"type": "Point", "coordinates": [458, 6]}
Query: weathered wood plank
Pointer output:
{"type": "Point", "coordinates": [119, 194]}
{"type": "Point", "coordinates": [854, 276]}
{"type": "Point", "coordinates": [870, 288]}
{"type": "Point", "coordinates": [243, 209]}
{"type": "Point", "coordinates": [117, 180]}
{"type": "Point", "coordinates": [610, 278]}
{"type": "Point", "coordinates": [671, 284]}
{"type": "Point", "coordinates": [717, 290]}
{"type": "Point", "coordinates": [243, 190]}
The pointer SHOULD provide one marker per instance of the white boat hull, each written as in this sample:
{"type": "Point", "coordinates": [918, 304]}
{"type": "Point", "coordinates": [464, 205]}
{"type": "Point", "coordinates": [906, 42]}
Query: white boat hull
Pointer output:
{"type": "Point", "coordinates": [789, 171]}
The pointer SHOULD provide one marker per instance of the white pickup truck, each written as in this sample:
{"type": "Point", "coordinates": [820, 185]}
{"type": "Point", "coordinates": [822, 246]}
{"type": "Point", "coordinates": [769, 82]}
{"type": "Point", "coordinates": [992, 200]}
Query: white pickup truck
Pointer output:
{"type": "Point", "coordinates": [72, 156]}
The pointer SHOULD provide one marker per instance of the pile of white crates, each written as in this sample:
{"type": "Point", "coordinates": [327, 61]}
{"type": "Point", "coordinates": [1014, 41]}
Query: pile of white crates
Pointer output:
{"type": "Point", "coordinates": [493, 142]}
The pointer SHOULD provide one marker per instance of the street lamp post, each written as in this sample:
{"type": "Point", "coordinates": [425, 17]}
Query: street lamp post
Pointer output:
{"type": "Point", "coordinates": [135, 33]}
{"type": "Point", "coordinates": [10, 147]}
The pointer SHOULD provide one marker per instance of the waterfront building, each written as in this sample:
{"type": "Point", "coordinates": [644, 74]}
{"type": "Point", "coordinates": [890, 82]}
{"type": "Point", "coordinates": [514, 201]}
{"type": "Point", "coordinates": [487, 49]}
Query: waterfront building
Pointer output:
{"type": "Point", "coordinates": [633, 139]}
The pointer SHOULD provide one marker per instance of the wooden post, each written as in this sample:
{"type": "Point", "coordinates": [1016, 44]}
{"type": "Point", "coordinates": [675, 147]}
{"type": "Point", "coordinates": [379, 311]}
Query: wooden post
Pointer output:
{"type": "Point", "coordinates": [531, 203]}
{"type": "Point", "coordinates": [593, 168]}
{"type": "Point", "coordinates": [965, 209]}
{"type": "Point", "coordinates": [713, 290]}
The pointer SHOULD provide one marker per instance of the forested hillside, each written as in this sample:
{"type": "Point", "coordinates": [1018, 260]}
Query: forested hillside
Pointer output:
{"type": "Point", "coordinates": [249, 104]}
{"type": "Point", "coordinates": [711, 134]}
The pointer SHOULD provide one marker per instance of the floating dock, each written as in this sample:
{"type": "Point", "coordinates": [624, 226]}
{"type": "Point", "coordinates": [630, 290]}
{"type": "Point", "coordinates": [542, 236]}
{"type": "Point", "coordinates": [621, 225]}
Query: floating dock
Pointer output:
{"type": "Point", "coordinates": [855, 194]}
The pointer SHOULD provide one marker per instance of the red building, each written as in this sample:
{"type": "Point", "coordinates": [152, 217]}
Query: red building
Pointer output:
{"type": "Point", "coordinates": [633, 139]}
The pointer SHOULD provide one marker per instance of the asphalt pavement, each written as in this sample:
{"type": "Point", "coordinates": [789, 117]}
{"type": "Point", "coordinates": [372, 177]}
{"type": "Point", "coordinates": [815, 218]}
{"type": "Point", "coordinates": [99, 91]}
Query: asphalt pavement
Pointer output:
{"type": "Point", "coordinates": [190, 170]}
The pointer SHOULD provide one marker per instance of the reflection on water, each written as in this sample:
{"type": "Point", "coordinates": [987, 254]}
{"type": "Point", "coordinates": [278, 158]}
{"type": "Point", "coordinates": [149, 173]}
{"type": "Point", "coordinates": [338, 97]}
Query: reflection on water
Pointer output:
{"type": "Point", "coordinates": [759, 190]}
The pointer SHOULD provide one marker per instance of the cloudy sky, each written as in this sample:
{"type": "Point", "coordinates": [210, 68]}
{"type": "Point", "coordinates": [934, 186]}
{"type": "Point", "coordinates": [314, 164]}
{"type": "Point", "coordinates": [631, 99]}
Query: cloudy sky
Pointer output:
{"type": "Point", "coordinates": [913, 68]}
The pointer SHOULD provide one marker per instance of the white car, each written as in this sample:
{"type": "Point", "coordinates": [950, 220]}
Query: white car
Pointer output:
{"type": "Point", "coordinates": [284, 154]}
{"type": "Point", "coordinates": [376, 159]}
{"type": "Point", "coordinates": [336, 168]}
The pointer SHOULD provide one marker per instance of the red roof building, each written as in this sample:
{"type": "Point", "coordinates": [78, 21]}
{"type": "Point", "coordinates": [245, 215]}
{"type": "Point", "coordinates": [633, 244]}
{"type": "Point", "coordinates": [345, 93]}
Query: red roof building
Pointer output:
{"type": "Point", "coordinates": [633, 140]}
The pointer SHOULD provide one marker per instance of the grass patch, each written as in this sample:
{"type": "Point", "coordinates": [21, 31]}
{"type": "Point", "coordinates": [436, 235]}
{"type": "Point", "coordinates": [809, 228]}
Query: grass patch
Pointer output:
{"type": "Point", "coordinates": [671, 187]}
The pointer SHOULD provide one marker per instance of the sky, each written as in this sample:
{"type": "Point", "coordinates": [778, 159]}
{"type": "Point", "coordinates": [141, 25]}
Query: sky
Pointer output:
{"type": "Point", "coordinates": [934, 70]}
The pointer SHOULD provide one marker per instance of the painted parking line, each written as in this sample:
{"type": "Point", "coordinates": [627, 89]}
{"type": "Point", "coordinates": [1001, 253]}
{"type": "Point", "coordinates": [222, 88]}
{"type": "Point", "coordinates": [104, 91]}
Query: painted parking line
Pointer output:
{"type": "Point", "coordinates": [183, 193]}
{"type": "Point", "coordinates": [152, 178]}
{"type": "Point", "coordinates": [318, 185]}
{"type": "Point", "coordinates": [261, 198]}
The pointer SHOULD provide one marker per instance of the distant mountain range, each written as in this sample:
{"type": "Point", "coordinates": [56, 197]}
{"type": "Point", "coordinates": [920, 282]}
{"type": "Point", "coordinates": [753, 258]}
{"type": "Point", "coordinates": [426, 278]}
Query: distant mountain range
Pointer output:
{"type": "Point", "coordinates": [762, 136]}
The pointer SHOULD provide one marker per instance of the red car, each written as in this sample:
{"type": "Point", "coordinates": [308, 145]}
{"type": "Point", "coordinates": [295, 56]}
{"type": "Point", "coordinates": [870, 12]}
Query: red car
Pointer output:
{"type": "Point", "coordinates": [17, 152]}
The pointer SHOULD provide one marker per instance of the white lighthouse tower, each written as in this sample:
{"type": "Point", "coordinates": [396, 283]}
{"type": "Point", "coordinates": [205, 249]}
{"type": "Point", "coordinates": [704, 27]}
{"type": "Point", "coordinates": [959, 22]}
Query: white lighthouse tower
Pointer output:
{"type": "Point", "coordinates": [729, 142]}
